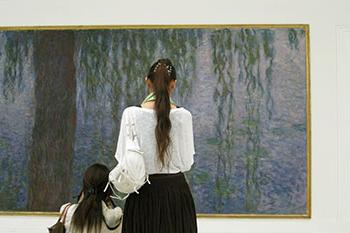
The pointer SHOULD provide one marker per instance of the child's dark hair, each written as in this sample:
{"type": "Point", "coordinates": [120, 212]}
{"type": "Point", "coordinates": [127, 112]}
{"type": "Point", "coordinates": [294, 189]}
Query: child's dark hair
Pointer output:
{"type": "Point", "coordinates": [89, 211]}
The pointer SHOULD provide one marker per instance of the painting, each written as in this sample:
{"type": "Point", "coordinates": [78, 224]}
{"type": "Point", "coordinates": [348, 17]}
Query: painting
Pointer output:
{"type": "Point", "coordinates": [63, 90]}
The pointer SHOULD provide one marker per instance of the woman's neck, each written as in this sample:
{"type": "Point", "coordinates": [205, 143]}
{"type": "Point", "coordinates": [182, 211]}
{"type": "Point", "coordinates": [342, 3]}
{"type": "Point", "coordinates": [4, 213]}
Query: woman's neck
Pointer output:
{"type": "Point", "coordinates": [150, 104]}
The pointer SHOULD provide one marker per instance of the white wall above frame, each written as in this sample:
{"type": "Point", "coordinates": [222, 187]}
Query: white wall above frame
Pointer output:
{"type": "Point", "coordinates": [329, 25]}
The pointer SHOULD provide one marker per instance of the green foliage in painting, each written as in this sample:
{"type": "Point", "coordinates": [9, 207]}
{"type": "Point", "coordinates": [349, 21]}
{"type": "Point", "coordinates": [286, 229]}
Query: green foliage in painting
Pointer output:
{"type": "Point", "coordinates": [17, 47]}
{"type": "Point", "coordinates": [222, 56]}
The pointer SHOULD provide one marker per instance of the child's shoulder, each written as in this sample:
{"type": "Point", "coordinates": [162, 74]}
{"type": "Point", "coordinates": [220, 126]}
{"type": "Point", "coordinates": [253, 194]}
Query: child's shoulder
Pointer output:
{"type": "Point", "coordinates": [65, 205]}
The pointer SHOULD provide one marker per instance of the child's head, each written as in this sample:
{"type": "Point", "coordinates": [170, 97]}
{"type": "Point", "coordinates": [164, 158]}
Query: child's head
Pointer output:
{"type": "Point", "coordinates": [94, 182]}
{"type": "Point", "coordinates": [89, 211]}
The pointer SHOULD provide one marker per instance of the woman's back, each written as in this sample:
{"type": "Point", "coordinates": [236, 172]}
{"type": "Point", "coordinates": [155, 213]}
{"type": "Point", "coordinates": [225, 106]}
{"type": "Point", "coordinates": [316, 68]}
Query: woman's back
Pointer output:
{"type": "Point", "coordinates": [165, 204]}
{"type": "Point", "coordinates": [181, 149]}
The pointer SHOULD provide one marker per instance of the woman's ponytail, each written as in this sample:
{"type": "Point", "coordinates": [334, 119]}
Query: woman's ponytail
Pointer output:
{"type": "Point", "coordinates": [161, 73]}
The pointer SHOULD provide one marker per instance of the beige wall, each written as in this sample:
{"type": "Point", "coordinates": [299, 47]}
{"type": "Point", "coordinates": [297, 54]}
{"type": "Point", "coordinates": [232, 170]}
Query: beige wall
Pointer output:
{"type": "Point", "coordinates": [330, 80]}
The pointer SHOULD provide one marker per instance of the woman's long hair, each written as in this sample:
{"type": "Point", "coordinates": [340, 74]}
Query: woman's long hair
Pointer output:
{"type": "Point", "coordinates": [89, 211]}
{"type": "Point", "coordinates": [161, 73]}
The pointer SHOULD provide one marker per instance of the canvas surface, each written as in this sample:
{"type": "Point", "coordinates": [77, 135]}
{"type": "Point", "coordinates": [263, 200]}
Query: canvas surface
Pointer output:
{"type": "Point", "coordinates": [62, 93]}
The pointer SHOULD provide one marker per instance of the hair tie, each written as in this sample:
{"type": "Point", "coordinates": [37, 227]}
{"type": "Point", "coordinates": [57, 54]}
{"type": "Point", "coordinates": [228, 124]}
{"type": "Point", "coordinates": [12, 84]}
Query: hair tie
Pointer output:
{"type": "Point", "coordinates": [91, 191]}
{"type": "Point", "coordinates": [168, 67]}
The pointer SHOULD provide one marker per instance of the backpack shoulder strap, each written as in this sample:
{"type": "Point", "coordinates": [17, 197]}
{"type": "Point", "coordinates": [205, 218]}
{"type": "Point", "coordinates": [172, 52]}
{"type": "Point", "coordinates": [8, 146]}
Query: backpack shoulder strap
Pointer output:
{"type": "Point", "coordinates": [64, 213]}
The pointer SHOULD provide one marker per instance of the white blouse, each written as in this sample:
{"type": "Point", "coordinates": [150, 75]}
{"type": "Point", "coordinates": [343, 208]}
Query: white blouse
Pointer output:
{"type": "Point", "coordinates": [181, 149]}
{"type": "Point", "coordinates": [113, 218]}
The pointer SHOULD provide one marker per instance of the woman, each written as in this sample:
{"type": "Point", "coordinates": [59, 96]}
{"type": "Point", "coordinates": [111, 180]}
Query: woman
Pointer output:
{"type": "Point", "coordinates": [94, 212]}
{"type": "Point", "coordinates": [166, 137]}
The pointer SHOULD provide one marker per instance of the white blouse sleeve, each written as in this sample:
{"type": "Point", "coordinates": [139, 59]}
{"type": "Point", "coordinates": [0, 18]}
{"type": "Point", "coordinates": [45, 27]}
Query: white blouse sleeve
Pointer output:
{"type": "Point", "coordinates": [120, 151]}
{"type": "Point", "coordinates": [187, 146]}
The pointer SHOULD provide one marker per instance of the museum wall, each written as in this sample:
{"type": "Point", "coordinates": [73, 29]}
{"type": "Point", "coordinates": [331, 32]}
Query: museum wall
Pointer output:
{"type": "Point", "coordinates": [330, 71]}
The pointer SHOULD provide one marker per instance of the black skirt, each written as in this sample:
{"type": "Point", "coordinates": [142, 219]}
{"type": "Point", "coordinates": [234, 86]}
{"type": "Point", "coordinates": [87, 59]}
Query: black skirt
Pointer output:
{"type": "Point", "coordinates": [164, 206]}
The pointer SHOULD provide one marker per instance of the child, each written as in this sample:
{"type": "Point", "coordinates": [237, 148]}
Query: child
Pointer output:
{"type": "Point", "coordinates": [94, 212]}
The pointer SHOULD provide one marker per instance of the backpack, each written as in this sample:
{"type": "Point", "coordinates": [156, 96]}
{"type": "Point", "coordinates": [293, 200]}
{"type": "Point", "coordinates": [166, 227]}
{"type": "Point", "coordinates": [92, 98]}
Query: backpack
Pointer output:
{"type": "Point", "coordinates": [130, 173]}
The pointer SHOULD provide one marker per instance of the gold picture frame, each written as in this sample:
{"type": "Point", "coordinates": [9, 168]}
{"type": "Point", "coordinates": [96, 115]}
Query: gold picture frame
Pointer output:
{"type": "Point", "coordinates": [218, 26]}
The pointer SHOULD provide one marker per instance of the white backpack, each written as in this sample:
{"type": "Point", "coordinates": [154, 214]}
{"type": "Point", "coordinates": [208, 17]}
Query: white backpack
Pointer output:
{"type": "Point", "coordinates": [130, 173]}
